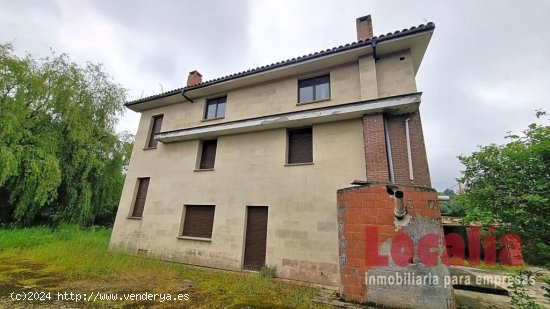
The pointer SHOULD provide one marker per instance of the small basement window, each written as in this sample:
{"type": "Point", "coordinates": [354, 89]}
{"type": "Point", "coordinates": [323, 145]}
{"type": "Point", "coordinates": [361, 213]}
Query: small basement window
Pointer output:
{"type": "Point", "coordinates": [314, 89]}
{"type": "Point", "coordinates": [198, 221]}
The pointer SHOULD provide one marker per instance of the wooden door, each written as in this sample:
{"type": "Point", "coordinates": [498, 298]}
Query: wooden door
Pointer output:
{"type": "Point", "coordinates": [256, 235]}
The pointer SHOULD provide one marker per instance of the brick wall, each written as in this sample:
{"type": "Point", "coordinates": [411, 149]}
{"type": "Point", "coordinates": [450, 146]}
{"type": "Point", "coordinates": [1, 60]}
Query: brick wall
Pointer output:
{"type": "Point", "coordinates": [375, 148]}
{"type": "Point", "coordinates": [398, 141]}
{"type": "Point", "coordinates": [371, 206]}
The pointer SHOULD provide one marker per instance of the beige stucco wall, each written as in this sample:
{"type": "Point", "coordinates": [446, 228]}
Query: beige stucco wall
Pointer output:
{"type": "Point", "coordinates": [250, 170]}
{"type": "Point", "coordinates": [395, 74]}
{"type": "Point", "coordinates": [302, 232]}
{"type": "Point", "coordinates": [352, 82]}
{"type": "Point", "coordinates": [274, 97]}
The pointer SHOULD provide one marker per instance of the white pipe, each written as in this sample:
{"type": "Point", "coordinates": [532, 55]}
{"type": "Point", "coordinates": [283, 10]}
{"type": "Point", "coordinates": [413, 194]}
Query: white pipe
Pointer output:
{"type": "Point", "coordinates": [388, 149]}
{"type": "Point", "coordinates": [409, 153]}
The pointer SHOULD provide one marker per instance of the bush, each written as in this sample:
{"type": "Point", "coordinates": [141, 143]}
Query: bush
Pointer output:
{"type": "Point", "coordinates": [518, 293]}
{"type": "Point", "coordinates": [268, 271]}
{"type": "Point", "coordinates": [546, 288]}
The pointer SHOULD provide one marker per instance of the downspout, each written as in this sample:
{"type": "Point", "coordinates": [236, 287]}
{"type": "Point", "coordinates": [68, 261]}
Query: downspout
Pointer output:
{"type": "Point", "coordinates": [409, 153]}
{"type": "Point", "coordinates": [388, 149]}
{"type": "Point", "coordinates": [373, 43]}
{"type": "Point", "coordinates": [188, 98]}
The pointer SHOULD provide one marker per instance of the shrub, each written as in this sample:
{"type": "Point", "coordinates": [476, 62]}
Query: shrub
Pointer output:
{"type": "Point", "coordinates": [546, 288]}
{"type": "Point", "coordinates": [518, 293]}
{"type": "Point", "coordinates": [268, 271]}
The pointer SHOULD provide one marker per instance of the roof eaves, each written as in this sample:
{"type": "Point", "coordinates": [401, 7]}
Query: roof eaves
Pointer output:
{"type": "Point", "coordinates": [384, 37]}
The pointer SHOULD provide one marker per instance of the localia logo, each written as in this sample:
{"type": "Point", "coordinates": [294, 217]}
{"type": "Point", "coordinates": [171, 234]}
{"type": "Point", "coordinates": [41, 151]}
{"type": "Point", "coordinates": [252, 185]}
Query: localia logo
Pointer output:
{"type": "Point", "coordinates": [450, 251]}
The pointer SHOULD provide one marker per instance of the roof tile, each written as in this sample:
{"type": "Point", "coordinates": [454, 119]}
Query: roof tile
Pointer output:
{"type": "Point", "coordinates": [389, 35]}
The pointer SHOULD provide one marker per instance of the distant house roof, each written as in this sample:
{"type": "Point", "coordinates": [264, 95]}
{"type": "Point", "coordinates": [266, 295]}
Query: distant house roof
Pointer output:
{"type": "Point", "coordinates": [391, 35]}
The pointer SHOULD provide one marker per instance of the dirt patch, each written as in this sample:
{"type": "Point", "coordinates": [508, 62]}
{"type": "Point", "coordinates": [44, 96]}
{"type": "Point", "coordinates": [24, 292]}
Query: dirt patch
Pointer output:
{"type": "Point", "coordinates": [25, 278]}
{"type": "Point", "coordinates": [22, 278]}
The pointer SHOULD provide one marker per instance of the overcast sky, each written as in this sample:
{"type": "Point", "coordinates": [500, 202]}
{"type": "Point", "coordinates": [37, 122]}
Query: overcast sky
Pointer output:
{"type": "Point", "coordinates": [485, 72]}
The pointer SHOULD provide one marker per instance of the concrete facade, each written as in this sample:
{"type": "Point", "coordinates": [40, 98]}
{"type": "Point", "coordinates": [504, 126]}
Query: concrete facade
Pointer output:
{"type": "Point", "coordinates": [250, 169]}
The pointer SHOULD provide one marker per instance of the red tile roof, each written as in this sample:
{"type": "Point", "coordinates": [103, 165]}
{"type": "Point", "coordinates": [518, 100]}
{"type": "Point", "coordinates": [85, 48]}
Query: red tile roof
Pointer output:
{"type": "Point", "coordinates": [391, 35]}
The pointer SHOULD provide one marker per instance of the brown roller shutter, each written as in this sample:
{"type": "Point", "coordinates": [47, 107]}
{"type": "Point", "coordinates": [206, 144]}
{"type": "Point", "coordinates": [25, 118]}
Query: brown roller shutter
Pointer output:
{"type": "Point", "coordinates": [300, 146]}
{"type": "Point", "coordinates": [141, 195]}
{"type": "Point", "coordinates": [208, 156]}
{"type": "Point", "coordinates": [157, 125]}
{"type": "Point", "coordinates": [256, 235]}
{"type": "Point", "coordinates": [199, 220]}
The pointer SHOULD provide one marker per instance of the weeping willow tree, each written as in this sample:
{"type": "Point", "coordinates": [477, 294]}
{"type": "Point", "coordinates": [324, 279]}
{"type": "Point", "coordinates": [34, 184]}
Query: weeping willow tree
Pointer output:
{"type": "Point", "coordinates": [60, 158]}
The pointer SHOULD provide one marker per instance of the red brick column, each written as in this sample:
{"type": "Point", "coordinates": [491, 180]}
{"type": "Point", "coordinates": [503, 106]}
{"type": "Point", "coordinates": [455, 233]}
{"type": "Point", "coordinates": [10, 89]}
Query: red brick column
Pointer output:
{"type": "Point", "coordinates": [372, 206]}
{"type": "Point", "coordinates": [376, 159]}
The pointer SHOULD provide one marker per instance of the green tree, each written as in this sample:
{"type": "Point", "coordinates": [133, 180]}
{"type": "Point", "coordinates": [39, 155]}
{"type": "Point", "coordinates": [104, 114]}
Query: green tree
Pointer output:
{"type": "Point", "coordinates": [60, 158]}
{"type": "Point", "coordinates": [450, 207]}
{"type": "Point", "coordinates": [509, 184]}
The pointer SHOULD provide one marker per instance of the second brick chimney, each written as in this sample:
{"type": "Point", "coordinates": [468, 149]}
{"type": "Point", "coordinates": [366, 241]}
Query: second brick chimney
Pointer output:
{"type": "Point", "coordinates": [194, 78]}
{"type": "Point", "coordinates": [364, 28]}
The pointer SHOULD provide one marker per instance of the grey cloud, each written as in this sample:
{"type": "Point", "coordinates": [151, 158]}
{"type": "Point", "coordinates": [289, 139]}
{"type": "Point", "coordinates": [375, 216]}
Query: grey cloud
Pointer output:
{"type": "Point", "coordinates": [159, 64]}
{"type": "Point", "coordinates": [30, 25]}
{"type": "Point", "coordinates": [193, 34]}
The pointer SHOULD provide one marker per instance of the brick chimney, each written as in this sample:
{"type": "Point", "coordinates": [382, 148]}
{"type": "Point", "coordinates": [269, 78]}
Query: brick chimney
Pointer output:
{"type": "Point", "coordinates": [194, 78]}
{"type": "Point", "coordinates": [364, 28]}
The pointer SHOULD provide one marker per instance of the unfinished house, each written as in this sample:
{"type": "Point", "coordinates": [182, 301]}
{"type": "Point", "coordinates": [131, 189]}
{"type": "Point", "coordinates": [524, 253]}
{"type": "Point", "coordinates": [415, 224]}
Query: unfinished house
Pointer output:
{"type": "Point", "coordinates": [242, 171]}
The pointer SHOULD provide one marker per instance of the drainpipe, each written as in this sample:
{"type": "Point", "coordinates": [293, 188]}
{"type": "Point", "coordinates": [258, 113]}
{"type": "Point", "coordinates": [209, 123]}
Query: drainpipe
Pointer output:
{"type": "Point", "coordinates": [188, 98]}
{"type": "Point", "coordinates": [373, 44]}
{"type": "Point", "coordinates": [388, 149]}
{"type": "Point", "coordinates": [409, 153]}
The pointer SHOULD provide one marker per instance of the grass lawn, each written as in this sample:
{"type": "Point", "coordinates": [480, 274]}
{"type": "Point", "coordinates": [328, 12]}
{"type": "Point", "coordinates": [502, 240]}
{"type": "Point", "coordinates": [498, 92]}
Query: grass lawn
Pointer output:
{"type": "Point", "coordinates": [73, 260]}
